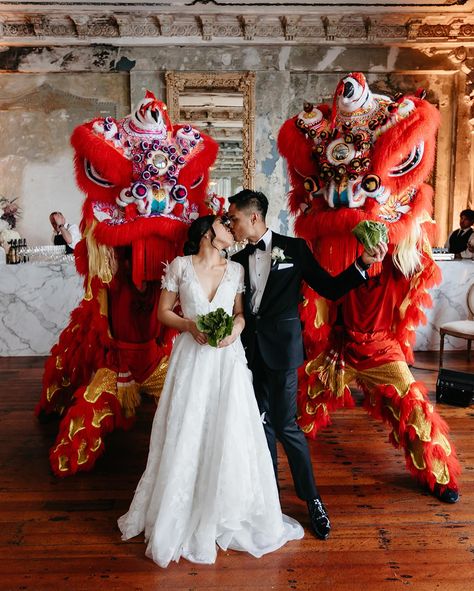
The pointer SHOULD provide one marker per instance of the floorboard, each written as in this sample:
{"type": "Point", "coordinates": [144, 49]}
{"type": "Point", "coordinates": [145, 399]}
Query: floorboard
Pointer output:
{"type": "Point", "coordinates": [387, 534]}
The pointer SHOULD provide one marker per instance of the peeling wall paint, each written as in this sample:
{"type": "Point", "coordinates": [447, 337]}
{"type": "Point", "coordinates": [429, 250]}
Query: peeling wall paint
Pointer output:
{"type": "Point", "coordinates": [285, 77]}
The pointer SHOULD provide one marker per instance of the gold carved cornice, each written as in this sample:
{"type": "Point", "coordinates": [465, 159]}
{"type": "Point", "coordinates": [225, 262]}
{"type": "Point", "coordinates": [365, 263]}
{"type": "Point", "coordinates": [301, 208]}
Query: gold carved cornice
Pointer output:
{"type": "Point", "coordinates": [125, 27]}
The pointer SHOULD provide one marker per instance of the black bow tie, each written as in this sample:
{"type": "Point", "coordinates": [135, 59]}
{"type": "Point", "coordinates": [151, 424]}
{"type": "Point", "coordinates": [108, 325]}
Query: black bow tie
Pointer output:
{"type": "Point", "coordinates": [251, 248]}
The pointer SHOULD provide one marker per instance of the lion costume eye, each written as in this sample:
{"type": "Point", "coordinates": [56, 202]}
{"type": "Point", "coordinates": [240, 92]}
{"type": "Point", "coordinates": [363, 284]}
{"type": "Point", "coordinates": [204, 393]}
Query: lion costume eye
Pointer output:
{"type": "Point", "coordinates": [410, 162]}
{"type": "Point", "coordinates": [94, 176]}
{"type": "Point", "coordinates": [197, 182]}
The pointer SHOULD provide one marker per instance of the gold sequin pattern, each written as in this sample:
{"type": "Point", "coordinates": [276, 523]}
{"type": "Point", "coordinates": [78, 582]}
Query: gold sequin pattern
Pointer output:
{"type": "Point", "coordinates": [441, 440]}
{"type": "Point", "coordinates": [153, 385]}
{"type": "Point", "coordinates": [395, 373]}
{"type": "Point", "coordinates": [76, 425]}
{"type": "Point", "coordinates": [420, 423]}
{"type": "Point", "coordinates": [312, 409]}
{"type": "Point", "coordinates": [105, 380]}
{"type": "Point", "coordinates": [99, 416]}
{"type": "Point", "coordinates": [82, 455]}
{"type": "Point", "coordinates": [416, 449]}
{"type": "Point", "coordinates": [63, 463]}
{"type": "Point", "coordinates": [440, 471]}
{"type": "Point", "coordinates": [50, 391]}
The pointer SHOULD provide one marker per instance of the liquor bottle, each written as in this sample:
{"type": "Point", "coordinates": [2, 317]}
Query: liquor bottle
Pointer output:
{"type": "Point", "coordinates": [26, 256]}
{"type": "Point", "coordinates": [10, 257]}
{"type": "Point", "coordinates": [16, 259]}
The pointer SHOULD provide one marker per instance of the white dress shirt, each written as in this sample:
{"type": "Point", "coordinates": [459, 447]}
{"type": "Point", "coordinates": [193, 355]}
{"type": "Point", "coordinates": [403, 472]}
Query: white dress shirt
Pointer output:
{"type": "Point", "coordinates": [260, 263]}
{"type": "Point", "coordinates": [73, 229]}
{"type": "Point", "coordinates": [467, 254]}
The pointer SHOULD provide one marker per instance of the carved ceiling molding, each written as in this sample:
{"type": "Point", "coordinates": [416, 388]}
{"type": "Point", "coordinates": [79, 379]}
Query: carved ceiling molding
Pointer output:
{"type": "Point", "coordinates": [128, 27]}
{"type": "Point", "coordinates": [463, 58]}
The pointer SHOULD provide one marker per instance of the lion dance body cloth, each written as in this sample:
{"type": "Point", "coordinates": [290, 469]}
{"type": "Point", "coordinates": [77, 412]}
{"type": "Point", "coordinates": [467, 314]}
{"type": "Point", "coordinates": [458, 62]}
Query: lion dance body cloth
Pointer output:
{"type": "Point", "coordinates": [366, 157]}
{"type": "Point", "coordinates": [145, 180]}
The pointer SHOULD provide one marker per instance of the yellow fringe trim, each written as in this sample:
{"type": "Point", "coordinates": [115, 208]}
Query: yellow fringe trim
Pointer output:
{"type": "Point", "coordinates": [102, 261]}
{"type": "Point", "coordinates": [129, 397]}
{"type": "Point", "coordinates": [332, 377]}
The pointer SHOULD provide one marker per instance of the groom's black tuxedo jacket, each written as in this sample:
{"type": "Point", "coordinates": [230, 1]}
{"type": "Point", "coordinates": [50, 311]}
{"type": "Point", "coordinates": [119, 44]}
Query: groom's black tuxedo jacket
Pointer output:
{"type": "Point", "coordinates": [276, 328]}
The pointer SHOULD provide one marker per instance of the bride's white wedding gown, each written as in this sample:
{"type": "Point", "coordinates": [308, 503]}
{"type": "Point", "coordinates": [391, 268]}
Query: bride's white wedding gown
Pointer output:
{"type": "Point", "coordinates": [209, 476]}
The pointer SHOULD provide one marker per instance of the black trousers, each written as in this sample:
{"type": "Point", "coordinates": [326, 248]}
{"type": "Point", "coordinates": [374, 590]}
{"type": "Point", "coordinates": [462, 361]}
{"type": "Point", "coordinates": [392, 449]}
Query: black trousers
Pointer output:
{"type": "Point", "coordinates": [276, 391]}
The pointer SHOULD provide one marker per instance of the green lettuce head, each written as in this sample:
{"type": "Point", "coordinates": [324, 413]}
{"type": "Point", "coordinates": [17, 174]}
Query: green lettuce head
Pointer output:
{"type": "Point", "coordinates": [216, 325]}
{"type": "Point", "coordinates": [369, 234]}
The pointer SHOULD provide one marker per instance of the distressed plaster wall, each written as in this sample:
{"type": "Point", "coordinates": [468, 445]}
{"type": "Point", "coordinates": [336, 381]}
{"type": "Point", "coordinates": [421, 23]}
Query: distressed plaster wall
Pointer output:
{"type": "Point", "coordinates": [36, 163]}
{"type": "Point", "coordinates": [38, 112]}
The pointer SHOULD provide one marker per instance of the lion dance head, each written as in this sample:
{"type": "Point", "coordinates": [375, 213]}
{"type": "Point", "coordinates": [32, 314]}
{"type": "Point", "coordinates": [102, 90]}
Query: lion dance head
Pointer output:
{"type": "Point", "coordinates": [364, 157]}
{"type": "Point", "coordinates": [145, 180]}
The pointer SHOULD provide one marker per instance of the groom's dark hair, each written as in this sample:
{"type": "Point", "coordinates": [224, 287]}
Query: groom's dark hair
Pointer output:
{"type": "Point", "coordinates": [250, 200]}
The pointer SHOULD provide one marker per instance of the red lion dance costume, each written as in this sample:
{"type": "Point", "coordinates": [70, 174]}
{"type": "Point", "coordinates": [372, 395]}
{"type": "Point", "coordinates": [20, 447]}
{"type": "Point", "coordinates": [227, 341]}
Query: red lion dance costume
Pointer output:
{"type": "Point", "coordinates": [365, 158]}
{"type": "Point", "coordinates": [144, 180]}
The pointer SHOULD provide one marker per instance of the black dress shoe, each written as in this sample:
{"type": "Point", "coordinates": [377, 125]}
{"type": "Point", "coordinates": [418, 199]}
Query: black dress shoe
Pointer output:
{"type": "Point", "coordinates": [319, 518]}
{"type": "Point", "coordinates": [448, 495]}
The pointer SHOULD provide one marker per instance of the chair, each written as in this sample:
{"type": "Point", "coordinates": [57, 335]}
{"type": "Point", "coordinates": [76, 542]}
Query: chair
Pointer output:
{"type": "Point", "coordinates": [462, 329]}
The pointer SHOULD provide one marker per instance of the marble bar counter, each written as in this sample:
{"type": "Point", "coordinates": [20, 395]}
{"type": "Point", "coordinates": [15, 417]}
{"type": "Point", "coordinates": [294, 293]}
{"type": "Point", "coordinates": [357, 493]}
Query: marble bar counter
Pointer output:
{"type": "Point", "coordinates": [35, 302]}
{"type": "Point", "coordinates": [449, 304]}
{"type": "Point", "coordinates": [37, 298]}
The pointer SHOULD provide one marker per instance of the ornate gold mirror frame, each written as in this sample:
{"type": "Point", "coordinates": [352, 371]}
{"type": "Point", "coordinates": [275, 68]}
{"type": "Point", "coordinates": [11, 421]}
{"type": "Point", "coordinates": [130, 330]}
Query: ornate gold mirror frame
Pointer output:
{"type": "Point", "coordinates": [241, 82]}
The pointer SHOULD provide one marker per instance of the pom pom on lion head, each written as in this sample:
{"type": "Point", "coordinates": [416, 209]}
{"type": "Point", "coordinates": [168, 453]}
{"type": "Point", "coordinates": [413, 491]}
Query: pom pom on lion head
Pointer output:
{"type": "Point", "coordinates": [364, 157]}
{"type": "Point", "coordinates": [145, 180]}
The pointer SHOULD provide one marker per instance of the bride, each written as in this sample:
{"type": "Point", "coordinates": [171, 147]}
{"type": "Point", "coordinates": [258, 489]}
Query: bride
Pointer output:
{"type": "Point", "coordinates": [209, 477]}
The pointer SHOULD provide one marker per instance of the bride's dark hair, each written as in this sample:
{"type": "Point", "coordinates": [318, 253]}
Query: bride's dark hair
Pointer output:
{"type": "Point", "coordinates": [196, 231]}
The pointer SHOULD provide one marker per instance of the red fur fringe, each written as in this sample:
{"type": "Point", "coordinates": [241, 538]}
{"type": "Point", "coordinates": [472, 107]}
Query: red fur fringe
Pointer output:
{"type": "Point", "coordinates": [419, 299]}
{"type": "Point", "coordinates": [296, 147]}
{"type": "Point", "coordinates": [82, 348]}
{"type": "Point", "coordinates": [106, 159]}
{"type": "Point", "coordinates": [120, 235]}
{"type": "Point", "coordinates": [395, 144]}
{"type": "Point", "coordinates": [88, 435]}
{"type": "Point", "coordinates": [320, 419]}
{"type": "Point", "coordinates": [406, 433]}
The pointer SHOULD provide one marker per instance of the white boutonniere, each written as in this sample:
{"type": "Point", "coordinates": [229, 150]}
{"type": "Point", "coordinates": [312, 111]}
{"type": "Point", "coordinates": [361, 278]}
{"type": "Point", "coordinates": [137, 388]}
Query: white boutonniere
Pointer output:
{"type": "Point", "coordinates": [278, 255]}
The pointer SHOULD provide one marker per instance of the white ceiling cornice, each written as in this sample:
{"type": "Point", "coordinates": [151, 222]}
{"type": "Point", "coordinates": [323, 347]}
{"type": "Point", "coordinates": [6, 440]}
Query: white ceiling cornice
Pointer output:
{"type": "Point", "coordinates": [214, 22]}
{"type": "Point", "coordinates": [262, 7]}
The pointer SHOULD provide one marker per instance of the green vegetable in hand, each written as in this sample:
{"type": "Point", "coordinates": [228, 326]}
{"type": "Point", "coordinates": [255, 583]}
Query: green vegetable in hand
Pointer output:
{"type": "Point", "coordinates": [369, 234]}
{"type": "Point", "coordinates": [217, 325]}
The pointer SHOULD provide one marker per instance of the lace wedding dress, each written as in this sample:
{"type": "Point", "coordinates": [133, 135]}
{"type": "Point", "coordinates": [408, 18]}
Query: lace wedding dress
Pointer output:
{"type": "Point", "coordinates": [209, 476]}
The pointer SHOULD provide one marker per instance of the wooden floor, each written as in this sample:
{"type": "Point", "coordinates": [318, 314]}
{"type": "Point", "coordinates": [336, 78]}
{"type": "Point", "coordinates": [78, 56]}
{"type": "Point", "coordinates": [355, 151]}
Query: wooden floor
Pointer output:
{"type": "Point", "coordinates": [61, 535]}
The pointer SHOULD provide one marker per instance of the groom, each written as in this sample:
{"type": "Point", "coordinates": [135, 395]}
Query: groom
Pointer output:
{"type": "Point", "coordinates": [275, 267]}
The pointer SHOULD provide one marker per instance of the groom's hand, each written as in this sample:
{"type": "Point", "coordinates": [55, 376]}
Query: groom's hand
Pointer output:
{"type": "Point", "coordinates": [378, 254]}
{"type": "Point", "coordinates": [227, 341]}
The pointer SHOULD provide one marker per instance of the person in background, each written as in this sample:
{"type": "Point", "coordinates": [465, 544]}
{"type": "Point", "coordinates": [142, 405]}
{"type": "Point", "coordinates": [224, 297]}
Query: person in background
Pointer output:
{"type": "Point", "coordinates": [64, 233]}
{"type": "Point", "coordinates": [458, 240]}
{"type": "Point", "coordinates": [469, 252]}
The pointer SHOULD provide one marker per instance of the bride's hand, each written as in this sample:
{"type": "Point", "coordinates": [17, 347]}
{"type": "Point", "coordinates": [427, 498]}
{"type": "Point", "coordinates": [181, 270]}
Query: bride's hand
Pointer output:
{"type": "Point", "coordinates": [197, 335]}
{"type": "Point", "coordinates": [239, 324]}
